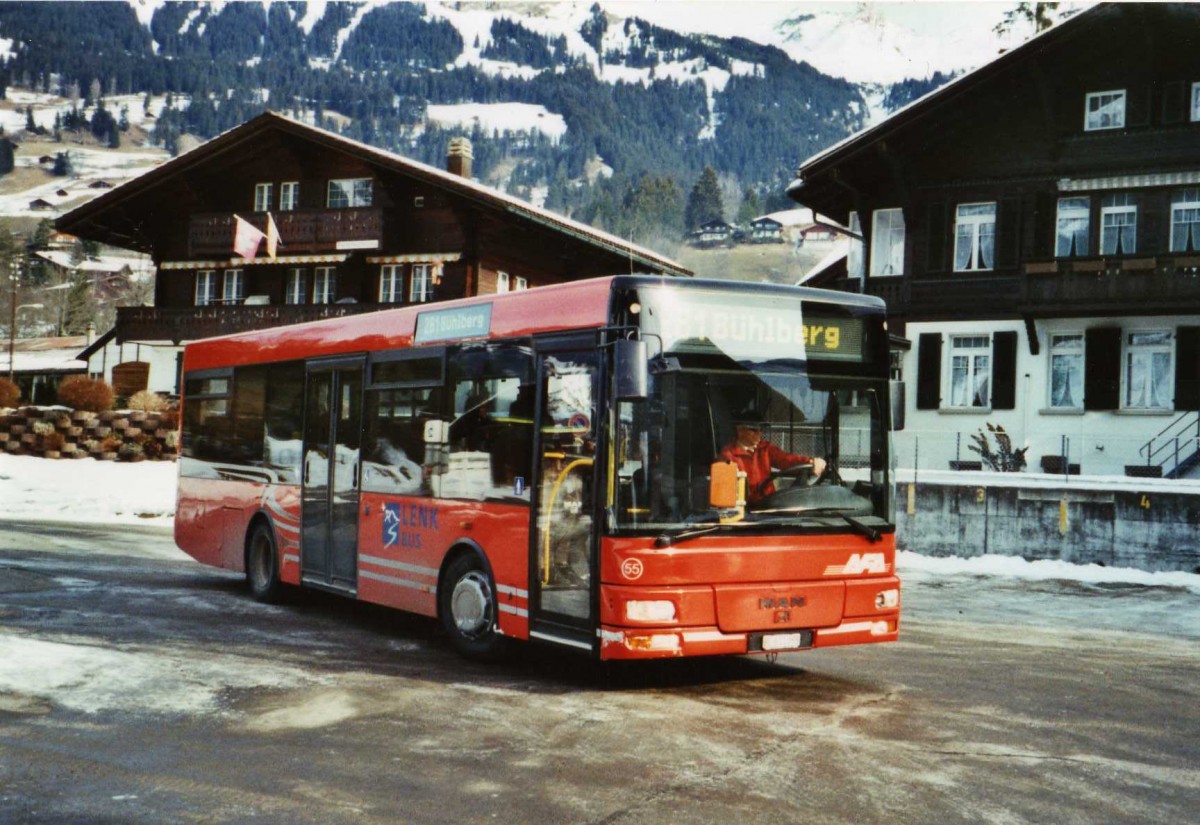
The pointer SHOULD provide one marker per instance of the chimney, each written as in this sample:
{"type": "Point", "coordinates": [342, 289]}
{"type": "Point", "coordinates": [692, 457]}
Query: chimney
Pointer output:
{"type": "Point", "coordinates": [91, 333]}
{"type": "Point", "coordinates": [459, 157]}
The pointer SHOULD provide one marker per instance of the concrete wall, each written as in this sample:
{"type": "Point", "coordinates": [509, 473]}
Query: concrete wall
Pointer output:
{"type": "Point", "coordinates": [1150, 529]}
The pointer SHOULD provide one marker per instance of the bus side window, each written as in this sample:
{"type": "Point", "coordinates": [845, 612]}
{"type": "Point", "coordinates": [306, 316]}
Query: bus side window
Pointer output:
{"type": "Point", "coordinates": [394, 453]}
{"type": "Point", "coordinates": [283, 424]}
{"type": "Point", "coordinates": [207, 422]}
{"type": "Point", "coordinates": [491, 426]}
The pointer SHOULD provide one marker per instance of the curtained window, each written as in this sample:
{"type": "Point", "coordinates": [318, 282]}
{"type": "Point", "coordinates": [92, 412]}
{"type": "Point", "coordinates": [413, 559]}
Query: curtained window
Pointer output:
{"type": "Point", "coordinates": [975, 237]}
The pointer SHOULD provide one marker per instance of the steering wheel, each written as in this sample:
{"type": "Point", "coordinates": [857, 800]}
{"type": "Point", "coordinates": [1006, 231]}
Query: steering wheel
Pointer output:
{"type": "Point", "coordinates": [795, 471]}
{"type": "Point", "coordinates": [828, 476]}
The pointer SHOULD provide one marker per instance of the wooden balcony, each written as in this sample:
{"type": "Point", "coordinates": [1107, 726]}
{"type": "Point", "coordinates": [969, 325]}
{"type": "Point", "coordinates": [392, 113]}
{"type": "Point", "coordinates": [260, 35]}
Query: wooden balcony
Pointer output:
{"type": "Point", "coordinates": [303, 231]}
{"type": "Point", "coordinates": [190, 323]}
{"type": "Point", "coordinates": [1128, 286]}
{"type": "Point", "coordinates": [959, 296]}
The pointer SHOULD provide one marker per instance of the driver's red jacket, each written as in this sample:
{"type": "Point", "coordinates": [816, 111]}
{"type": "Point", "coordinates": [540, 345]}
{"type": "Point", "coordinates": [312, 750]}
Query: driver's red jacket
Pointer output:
{"type": "Point", "coordinates": [757, 462]}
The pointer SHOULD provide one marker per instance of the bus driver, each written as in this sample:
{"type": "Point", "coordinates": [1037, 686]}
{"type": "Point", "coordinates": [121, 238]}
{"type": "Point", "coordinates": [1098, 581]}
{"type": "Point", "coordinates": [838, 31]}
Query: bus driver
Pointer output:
{"type": "Point", "coordinates": [755, 456]}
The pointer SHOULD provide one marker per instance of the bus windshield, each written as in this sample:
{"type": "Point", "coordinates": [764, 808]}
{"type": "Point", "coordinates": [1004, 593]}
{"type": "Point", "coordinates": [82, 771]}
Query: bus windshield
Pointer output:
{"type": "Point", "coordinates": [810, 432]}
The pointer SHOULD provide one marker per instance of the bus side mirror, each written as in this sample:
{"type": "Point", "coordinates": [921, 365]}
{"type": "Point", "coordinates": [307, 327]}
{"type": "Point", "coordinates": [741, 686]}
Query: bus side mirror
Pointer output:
{"type": "Point", "coordinates": [437, 431]}
{"type": "Point", "coordinates": [629, 366]}
{"type": "Point", "coordinates": [723, 492]}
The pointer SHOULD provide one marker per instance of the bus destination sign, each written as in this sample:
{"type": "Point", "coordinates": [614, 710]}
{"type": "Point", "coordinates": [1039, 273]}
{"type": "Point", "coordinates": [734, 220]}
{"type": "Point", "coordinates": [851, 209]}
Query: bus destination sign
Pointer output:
{"type": "Point", "coordinates": [450, 324]}
{"type": "Point", "coordinates": [772, 329]}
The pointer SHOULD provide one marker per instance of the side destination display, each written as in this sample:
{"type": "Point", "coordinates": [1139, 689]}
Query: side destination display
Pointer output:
{"type": "Point", "coordinates": [448, 324]}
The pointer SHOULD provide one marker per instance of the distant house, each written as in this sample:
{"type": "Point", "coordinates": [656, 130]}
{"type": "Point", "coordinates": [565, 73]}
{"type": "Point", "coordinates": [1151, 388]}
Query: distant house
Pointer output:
{"type": "Point", "coordinates": [817, 233]}
{"type": "Point", "coordinates": [765, 230]}
{"type": "Point", "coordinates": [46, 159]}
{"type": "Point", "coordinates": [40, 364]}
{"type": "Point", "coordinates": [62, 193]}
{"type": "Point", "coordinates": [711, 234]}
{"type": "Point", "coordinates": [100, 184]}
{"type": "Point", "coordinates": [40, 204]}
{"type": "Point", "coordinates": [109, 276]}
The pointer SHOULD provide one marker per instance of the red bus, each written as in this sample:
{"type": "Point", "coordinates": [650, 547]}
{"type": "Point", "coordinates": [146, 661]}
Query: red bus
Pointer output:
{"type": "Point", "coordinates": [546, 465]}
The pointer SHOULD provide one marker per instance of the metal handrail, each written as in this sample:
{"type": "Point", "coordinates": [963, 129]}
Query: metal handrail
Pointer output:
{"type": "Point", "coordinates": [1188, 419]}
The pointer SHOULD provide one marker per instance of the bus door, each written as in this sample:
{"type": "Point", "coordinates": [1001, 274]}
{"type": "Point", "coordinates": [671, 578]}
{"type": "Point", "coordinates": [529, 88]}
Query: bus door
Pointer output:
{"type": "Point", "coordinates": [332, 455]}
{"type": "Point", "coordinates": [563, 563]}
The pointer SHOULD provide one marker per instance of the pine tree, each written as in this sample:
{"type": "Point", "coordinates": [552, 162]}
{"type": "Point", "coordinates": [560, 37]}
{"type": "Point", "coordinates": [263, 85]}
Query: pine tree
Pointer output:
{"type": "Point", "coordinates": [81, 306]}
{"type": "Point", "coordinates": [62, 165]}
{"type": "Point", "coordinates": [751, 207]}
{"type": "Point", "coordinates": [7, 161]}
{"type": "Point", "coordinates": [704, 202]}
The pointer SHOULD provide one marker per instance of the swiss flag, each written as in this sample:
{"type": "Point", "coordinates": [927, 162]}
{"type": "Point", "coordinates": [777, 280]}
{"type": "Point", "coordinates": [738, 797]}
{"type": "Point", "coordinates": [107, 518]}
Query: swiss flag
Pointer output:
{"type": "Point", "coordinates": [246, 238]}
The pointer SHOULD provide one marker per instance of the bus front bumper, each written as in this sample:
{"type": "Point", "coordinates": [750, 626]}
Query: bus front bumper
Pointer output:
{"type": "Point", "coordinates": [660, 643]}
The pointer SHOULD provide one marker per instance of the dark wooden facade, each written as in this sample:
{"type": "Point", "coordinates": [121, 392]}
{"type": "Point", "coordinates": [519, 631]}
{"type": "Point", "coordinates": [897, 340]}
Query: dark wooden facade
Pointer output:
{"type": "Point", "coordinates": [1012, 133]}
{"type": "Point", "coordinates": [474, 238]}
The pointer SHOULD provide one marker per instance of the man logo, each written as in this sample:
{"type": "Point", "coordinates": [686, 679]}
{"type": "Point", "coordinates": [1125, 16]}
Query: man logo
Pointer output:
{"type": "Point", "coordinates": [859, 563]}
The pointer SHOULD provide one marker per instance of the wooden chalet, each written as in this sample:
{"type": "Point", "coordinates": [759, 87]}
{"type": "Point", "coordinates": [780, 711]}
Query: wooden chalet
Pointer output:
{"type": "Point", "coordinates": [360, 229]}
{"type": "Point", "coordinates": [1035, 228]}
{"type": "Point", "coordinates": [765, 230]}
{"type": "Point", "coordinates": [711, 234]}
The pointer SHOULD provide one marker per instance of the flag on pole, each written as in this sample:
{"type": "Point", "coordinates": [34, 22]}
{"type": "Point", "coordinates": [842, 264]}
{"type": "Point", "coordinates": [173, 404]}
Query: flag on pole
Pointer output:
{"type": "Point", "coordinates": [246, 238]}
{"type": "Point", "coordinates": [273, 240]}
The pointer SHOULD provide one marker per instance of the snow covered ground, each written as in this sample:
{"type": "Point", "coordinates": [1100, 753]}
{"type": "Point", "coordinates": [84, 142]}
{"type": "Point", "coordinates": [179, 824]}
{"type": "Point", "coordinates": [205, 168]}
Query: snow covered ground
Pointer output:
{"type": "Point", "coordinates": [90, 491]}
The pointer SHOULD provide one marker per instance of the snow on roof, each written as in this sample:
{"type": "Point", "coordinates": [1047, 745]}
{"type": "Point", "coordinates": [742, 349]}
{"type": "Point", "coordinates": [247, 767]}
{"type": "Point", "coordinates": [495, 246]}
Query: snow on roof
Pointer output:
{"type": "Point", "coordinates": [55, 354]}
{"type": "Point", "coordinates": [838, 253]}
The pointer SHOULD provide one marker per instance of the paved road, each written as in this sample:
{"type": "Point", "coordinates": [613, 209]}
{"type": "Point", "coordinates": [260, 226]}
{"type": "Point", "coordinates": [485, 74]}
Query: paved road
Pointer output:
{"type": "Point", "coordinates": [139, 687]}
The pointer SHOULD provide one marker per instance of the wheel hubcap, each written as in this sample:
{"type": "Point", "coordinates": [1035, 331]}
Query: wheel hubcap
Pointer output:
{"type": "Point", "coordinates": [470, 604]}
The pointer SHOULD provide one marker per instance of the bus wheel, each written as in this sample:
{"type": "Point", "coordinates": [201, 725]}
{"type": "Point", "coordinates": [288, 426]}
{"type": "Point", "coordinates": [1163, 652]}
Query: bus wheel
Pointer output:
{"type": "Point", "coordinates": [468, 608]}
{"type": "Point", "coordinates": [262, 565]}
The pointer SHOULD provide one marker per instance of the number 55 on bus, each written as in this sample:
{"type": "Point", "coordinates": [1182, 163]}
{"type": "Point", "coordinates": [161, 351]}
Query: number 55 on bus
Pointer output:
{"type": "Point", "coordinates": [629, 467]}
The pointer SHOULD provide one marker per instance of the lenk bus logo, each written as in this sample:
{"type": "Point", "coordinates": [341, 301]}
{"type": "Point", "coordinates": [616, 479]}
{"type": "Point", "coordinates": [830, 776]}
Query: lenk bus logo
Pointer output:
{"type": "Point", "coordinates": [859, 563]}
{"type": "Point", "coordinates": [417, 517]}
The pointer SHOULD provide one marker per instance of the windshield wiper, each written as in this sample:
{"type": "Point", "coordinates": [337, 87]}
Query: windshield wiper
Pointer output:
{"type": "Point", "coordinates": [666, 539]}
{"type": "Point", "coordinates": [865, 529]}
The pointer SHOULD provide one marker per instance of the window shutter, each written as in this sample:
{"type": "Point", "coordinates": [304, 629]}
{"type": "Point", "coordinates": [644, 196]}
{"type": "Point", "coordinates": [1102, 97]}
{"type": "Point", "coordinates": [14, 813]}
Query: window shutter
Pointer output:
{"type": "Point", "coordinates": [1004, 370]}
{"type": "Point", "coordinates": [1045, 224]}
{"type": "Point", "coordinates": [1137, 103]}
{"type": "Point", "coordinates": [937, 230]}
{"type": "Point", "coordinates": [929, 370]}
{"type": "Point", "coordinates": [1174, 102]}
{"type": "Point", "coordinates": [1102, 369]}
{"type": "Point", "coordinates": [1154, 222]}
{"type": "Point", "coordinates": [1008, 233]}
{"type": "Point", "coordinates": [1187, 369]}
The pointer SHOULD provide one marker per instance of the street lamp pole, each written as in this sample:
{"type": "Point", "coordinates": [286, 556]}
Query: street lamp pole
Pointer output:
{"type": "Point", "coordinates": [14, 308]}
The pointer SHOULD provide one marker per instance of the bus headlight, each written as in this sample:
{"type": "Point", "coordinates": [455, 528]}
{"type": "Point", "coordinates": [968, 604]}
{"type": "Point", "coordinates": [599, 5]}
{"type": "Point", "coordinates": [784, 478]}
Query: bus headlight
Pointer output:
{"type": "Point", "coordinates": [650, 611]}
{"type": "Point", "coordinates": [887, 598]}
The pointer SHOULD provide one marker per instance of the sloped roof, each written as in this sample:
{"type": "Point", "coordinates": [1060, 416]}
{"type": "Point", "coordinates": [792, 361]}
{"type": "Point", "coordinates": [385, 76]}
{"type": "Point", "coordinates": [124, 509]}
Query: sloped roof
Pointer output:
{"type": "Point", "coordinates": [55, 354]}
{"type": "Point", "coordinates": [79, 220]}
{"type": "Point", "coordinates": [944, 95]}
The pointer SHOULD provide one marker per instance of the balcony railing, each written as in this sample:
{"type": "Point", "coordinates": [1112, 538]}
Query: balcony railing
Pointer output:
{"type": "Point", "coordinates": [303, 231]}
{"type": "Point", "coordinates": [191, 323]}
{"type": "Point", "coordinates": [1143, 285]}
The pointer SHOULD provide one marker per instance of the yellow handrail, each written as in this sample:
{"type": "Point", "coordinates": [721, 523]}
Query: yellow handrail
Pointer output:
{"type": "Point", "coordinates": [550, 509]}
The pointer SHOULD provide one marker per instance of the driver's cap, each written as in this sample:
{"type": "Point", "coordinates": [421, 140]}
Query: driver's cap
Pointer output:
{"type": "Point", "coordinates": [750, 416]}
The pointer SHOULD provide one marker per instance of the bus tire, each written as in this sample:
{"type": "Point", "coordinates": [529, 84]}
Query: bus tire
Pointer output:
{"type": "Point", "coordinates": [262, 565]}
{"type": "Point", "coordinates": [468, 608]}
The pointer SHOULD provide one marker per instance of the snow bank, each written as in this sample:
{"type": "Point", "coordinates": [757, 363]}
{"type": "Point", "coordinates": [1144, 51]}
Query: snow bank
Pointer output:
{"type": "Point", "coordinates": [88, 491]}
{"type": "Point", "coordinates": [914, 565]}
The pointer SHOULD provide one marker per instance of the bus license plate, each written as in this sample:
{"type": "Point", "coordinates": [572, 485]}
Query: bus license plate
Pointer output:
{"type": "Point", "coordinates": [782, 641]}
